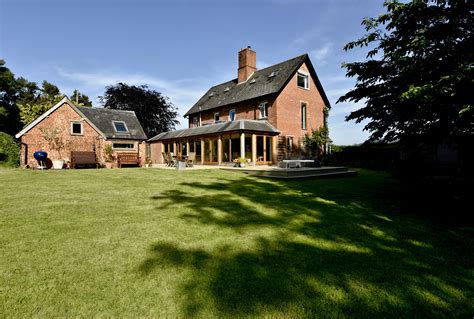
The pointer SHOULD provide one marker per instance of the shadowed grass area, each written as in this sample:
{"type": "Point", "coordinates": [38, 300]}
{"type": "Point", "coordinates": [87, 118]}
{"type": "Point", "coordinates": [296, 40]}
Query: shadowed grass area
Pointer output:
{"type": "Point", "coordinates": [148, 242]}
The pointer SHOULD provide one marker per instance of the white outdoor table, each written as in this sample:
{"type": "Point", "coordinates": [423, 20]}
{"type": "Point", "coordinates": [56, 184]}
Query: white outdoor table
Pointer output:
{"type": "Point", "coordinates": [296, 162]}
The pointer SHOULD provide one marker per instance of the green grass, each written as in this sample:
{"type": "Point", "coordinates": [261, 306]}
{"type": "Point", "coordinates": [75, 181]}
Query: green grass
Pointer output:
{"type": "Point", "coordinates": [210, 243]}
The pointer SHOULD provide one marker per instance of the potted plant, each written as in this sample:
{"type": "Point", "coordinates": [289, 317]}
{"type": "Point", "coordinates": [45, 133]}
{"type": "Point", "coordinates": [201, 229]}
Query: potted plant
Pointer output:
{"type": "Point", "coordinates": [148, 162]}
{"type": "Point", "coordinates": [242, 161]}
{"type": "Point", "coordinates": [108, 155]}
{"type": "Point", "coordinates": [56, 143]}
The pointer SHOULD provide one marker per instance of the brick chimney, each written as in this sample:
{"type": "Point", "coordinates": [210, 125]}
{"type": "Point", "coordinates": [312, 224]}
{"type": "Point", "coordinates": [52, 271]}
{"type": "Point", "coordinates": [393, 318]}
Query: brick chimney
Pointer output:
{"type": "Point", "coordinates": [247, 64]}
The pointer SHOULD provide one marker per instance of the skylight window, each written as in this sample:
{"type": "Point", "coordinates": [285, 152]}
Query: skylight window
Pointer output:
{"type": "Point", "coordinates": [211, 94]}
{"type": "Point", "coordinates": [226, 90]}
{"type": "Point", "coordinates": [253, 81]}
{"type": "Point", "coordinates": [120, 127]}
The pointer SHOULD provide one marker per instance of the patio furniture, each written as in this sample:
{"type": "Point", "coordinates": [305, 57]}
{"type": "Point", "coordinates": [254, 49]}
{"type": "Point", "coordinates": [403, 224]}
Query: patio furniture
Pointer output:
{"type": "Point", "coordinates": [171, 159]}
{"type": "Point", "coordinates": [165, 158]}
{"type": "Point", "coordinates": [190, 159]}
{"type": "Point", "coordinates": [83, 158]}
{"type": "Point", "coordinates": [128, 158]}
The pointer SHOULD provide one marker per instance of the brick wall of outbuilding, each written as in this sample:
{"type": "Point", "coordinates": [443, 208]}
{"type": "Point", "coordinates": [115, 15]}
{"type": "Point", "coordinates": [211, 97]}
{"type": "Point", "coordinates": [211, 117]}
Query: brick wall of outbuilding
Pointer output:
{"type": "Point", "coordinates": [61, 118]}
{"type": "Point", "coordinates": [90, 140]}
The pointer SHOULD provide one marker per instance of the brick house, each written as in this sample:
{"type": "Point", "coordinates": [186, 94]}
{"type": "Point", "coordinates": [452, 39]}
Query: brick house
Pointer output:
{"type": "Point", "coordinates": [262, 115]}
{"type": "Point", "coordinates": [82, 129]}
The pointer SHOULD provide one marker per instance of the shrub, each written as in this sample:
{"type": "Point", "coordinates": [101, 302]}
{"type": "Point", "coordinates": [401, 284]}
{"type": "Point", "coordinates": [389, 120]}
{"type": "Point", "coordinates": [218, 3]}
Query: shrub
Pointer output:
{"type": "Point", "coordinates": [9, 150]}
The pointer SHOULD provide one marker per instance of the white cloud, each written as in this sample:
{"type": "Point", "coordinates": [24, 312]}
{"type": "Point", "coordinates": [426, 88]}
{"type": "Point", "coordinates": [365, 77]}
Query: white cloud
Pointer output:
{"type": "Point", "coordinates": [321, 54]}
{"type": "Point", "coordinates": [182, 93]}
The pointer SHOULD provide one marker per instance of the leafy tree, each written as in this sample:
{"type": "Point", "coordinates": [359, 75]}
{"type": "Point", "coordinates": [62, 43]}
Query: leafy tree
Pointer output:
{"type": "Point", "coordinates": [34, 105]}
{"type": "Point", "coordinates": [80, 99]}
{"type": "Point", "coordinates": [417, 78]}
{"type": "Point", "coordinates": [9, 114]}
{"type": "Point", "coordinates": [155, 112]}
{"type": "Point", "coordinates": [9, 150]}
{"type": "Point", "coordinates": [316, 142]}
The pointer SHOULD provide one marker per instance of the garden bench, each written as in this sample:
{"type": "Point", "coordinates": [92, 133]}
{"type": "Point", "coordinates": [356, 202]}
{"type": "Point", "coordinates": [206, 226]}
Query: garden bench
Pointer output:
{"type": "Point", "coordinates": [83, 158]}
{"type": "Point", "coordinates": [128, 158]}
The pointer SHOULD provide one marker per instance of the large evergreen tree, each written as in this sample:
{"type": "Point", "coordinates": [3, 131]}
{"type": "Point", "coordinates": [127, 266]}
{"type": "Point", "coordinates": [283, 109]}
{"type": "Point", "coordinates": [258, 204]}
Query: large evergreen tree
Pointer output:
{"type": "Point", "coordinates": [9, 113]}
{"type": "Point", "coordinates": [417, 79]}
{"type": "Point", "coordinates": [154, 111]}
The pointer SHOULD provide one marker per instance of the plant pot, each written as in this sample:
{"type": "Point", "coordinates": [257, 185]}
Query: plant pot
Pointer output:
{"type": "Point", "coordinates": [108, 165]}
{"type": "Point", "coordinates": [58, 164]}
{"type": "Point", "coordinates": [242, 165]}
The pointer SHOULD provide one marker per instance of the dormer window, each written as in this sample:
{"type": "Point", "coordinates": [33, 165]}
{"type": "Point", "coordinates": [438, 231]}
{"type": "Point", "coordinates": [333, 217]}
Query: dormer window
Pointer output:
{"type": "Point", "coordinates": [120, 127]}
{"type": "Point", "coordinates": [216, 117]}
{"type": "Point", "coordinates": [263, 110]}
{"type": "Point", "coordinates": [232, 115]}
{"type": "Point", "coordinates": [196, 121]}
{"type": "Point", "coordinates": [303, 80]}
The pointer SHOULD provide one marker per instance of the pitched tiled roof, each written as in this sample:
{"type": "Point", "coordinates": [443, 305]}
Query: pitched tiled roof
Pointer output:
{"type": "Point", "coordinates": [262, 82]}
{"type": "Point", "coordinates": [234, 126]}
{"type": "Point", "coordinates": [103, 120]}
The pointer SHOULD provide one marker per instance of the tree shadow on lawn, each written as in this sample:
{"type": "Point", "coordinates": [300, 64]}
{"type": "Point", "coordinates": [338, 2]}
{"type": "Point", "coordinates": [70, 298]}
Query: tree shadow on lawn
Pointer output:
{"type": "Point", "coordinates": [337, 248]}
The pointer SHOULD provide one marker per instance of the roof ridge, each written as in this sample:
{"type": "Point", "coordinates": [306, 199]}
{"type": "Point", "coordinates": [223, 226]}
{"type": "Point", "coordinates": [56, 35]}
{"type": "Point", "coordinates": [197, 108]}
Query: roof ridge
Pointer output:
{"type": "Point", "coordinates": [103, 108]}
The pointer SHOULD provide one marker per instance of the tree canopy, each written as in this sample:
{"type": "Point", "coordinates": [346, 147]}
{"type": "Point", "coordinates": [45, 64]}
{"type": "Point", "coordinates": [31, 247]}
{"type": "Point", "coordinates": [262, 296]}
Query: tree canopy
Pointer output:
{"type": "Point", "coordinates": [417, 78]}
{"type": "Point", "coordinates": [22, 101]}
{"type": "Point", "coordinates": [80, 99]}
{"type": "Point", "coordinates": [154, 111]}
{"type": "Point", "coordinates": [39, 102]}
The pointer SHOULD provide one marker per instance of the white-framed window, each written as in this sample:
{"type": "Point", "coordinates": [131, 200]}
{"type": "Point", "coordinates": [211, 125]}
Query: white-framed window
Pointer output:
{"type": "Point", "coordinates": [77, 128]}
{"type": "Point", "coordinates": [123, 146]}
{"type": "Point", "coordinates": [196, 121]}
{"type": "Point", "coordinates": [303, 115]}
{"type": "Point", "coordinates": [302, 80]}
{"type": "Point", "coordinates": [263, 110]}
{"type": "Point", "coordinates": [216, 117]}
{"type": "Point", "coordinates": [120, 126]}
{"type": "Point", "coordinates": [232, 115]}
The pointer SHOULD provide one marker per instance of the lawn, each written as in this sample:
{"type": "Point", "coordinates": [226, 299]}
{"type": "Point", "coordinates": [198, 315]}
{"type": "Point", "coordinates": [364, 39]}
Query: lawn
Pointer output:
{"type": "Point", "coordinates": [211, 243]}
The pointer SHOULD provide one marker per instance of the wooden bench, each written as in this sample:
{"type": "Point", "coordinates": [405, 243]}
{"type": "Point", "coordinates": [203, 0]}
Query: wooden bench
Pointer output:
{"type": "Point", "coordinates": [83, 158]}
{"type": "Point", "coordinates": [128, 158]}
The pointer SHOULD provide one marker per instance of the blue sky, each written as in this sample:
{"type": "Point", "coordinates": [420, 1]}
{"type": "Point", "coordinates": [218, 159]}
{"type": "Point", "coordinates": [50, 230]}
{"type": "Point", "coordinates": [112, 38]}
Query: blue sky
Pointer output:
{"type": "Point", "coordinates": [181, 48]}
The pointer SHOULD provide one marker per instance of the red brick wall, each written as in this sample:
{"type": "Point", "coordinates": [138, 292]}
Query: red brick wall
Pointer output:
{"type": "Point", "coordinates": [246, 110]}
{"type": "Point", "coordinates": [288, 106]}
{"type": "Point", "coordinates": [156, 150]}
{"type": "Point", "coordinates": [61, 118]}
{"type": "Point", "coordinates": [90, 140]}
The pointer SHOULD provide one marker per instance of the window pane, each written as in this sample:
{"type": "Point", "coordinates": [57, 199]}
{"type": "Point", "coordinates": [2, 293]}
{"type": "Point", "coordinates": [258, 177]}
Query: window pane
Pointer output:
{"type": "Point", "coordinates": [268, 141]}
{"type": "Point", "coordinates": [302, 80]}
{"type": "Point", "coordinates": [232, 115]}
{"type": "Point", "coordinates": [76, 128]}
{"type": "Point", "coordinates": [122, 145]}
{"type": "Point", "coordinates": [120, 127]}
{"type": "Point", "coordinates": [303, 116]}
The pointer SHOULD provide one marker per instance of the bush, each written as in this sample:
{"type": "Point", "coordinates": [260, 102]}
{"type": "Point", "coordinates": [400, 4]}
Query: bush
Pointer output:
{"type": "Point", "coordinates": [9, 150]}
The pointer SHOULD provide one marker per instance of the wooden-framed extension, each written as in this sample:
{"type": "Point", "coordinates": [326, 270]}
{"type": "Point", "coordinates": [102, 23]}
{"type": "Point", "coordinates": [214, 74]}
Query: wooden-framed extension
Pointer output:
{"type": "Point", "coordinates": [220, 143]}
{"type": "Point", "coordinates": [220, 149]}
